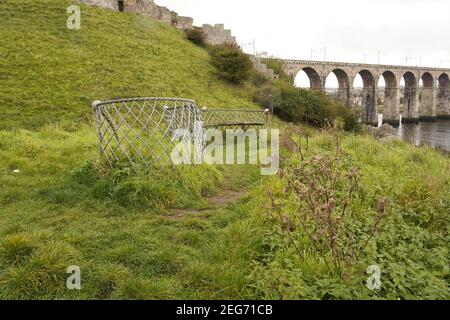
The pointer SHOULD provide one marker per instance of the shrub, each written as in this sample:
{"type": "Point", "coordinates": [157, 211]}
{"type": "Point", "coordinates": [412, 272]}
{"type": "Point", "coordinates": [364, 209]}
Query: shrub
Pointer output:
{"type": "Point", "coordinates": [231, 63]}
{"type": "Point", "coordinates": [277, 66]}
{"type": "Point", "coordinates": [264, 95]}
{"type": "Point", "coordinates": [298, 105]}
{"type": "Point", "coordinates": [258, 79]}
{"type": "Point", "coordinates": [350, 117]}
{"type": "Point", "coordinates": [197, 36]}
{"type": "Point", "coordinates": [323, 187]}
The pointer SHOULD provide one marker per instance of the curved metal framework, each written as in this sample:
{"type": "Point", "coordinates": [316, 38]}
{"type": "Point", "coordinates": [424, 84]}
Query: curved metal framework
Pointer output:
{"type": "Point", "coordinates": [145, 131]}
{"type": "Point", "coordinates": [234, 118]}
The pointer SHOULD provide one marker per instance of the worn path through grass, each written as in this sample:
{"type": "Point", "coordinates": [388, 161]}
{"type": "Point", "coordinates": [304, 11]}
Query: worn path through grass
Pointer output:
{"type": "Point", "coordinates": [236, 182]}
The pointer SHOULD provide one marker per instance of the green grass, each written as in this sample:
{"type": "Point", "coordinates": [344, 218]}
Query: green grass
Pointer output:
{"type": "Point", "coordinates": [61, 210]}
{"type": "Point", "coordinates": [51, 73]}
{"type": "Point", "coordinates": [411, 247]}
{"type": "Point", "coordinates": [59, 205]}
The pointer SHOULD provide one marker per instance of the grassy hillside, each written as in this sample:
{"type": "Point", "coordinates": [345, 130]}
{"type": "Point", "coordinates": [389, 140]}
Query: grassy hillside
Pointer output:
{"type": "Point", "coordinates": [50, 73]}
{"type": "Point", "coordinates": [134, 235]}
{"type": "Point", "coordinates": [202, 232]}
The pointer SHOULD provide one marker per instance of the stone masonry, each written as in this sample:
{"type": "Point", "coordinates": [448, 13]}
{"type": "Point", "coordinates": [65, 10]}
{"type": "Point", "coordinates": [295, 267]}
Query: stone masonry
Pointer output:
{"type": "Point", "coordinates": [145, 7]}
{"type": "Point", "coordinates": [217, 34]}
{"type": "Point", "coordinates": [263, 69]}
{"type": "Point", "coordinates": [428, 101]}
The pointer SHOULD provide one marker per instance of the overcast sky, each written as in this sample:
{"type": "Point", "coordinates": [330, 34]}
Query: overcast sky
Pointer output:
{"type": "Point", "coordinates": [347, 28]}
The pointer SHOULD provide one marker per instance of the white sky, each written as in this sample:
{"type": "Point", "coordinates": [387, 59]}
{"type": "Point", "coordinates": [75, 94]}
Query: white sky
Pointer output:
{"type": "Point", "coordinates": [347, 28]}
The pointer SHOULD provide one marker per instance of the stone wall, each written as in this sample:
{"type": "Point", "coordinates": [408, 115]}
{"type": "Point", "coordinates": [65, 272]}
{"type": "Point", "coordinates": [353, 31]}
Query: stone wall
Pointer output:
{"type": "Point", "coordinates": [109, 4]}
{"type": "Point", "coordinates": [263, 69]}
{"type": "Point", "coordinates": [217, 34]}
{"type": "Point", "coordinates": [146, 7]}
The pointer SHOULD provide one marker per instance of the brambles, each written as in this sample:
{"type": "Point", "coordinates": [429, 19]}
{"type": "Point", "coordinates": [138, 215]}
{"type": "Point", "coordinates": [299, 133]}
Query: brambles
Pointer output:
{"type": "Point", "coordinates": [321, 188]}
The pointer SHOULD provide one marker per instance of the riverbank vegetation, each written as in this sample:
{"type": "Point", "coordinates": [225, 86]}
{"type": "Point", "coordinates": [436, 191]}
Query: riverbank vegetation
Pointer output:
{"type": "Point", "coordinates": [159, 236]}
{"type": "Point", "coordinates": [298, 105]}
{"type": "Point", "coordinates": [343, 202]}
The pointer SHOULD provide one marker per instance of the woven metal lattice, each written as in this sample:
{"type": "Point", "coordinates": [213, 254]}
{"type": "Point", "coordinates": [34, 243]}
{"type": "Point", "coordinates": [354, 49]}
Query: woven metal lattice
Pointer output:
{"type": "Point", "coordinates": [145, 131]}
{"type": "Point", "coordinates": [234, 118]}
{"type": "Point", "coordinates": [142, 130]}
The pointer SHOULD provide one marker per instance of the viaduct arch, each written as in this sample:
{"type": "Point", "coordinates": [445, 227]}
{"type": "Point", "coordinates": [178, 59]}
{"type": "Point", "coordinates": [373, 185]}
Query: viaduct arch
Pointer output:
{"type": "Point", "coordinates": [428, 101]}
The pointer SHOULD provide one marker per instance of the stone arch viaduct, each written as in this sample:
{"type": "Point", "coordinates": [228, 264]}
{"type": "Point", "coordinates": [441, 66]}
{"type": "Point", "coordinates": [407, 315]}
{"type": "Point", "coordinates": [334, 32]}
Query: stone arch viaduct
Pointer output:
{"type": "Point", "coordinates": [427, 99]}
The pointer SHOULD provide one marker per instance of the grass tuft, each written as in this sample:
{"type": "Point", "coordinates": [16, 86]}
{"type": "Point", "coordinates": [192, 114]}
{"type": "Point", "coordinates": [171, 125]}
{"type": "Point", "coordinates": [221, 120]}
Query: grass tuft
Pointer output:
{"type": "Point", "coordinates": [16, 249]}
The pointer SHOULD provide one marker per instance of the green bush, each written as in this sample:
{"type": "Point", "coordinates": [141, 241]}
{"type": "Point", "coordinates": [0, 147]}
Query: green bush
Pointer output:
{"type": "Point", "coordinates": [197, 36]}
{"type": "Point", "coordinates": [298, 105]}
{"type": "Point", "coordinates": [231, 63]}
{"type": "Point", "coordinates": [258, 79]}
{"type": "Point", "coordinates": [349, 117]}
{"type": "Point", "coordinates": [277, 66]}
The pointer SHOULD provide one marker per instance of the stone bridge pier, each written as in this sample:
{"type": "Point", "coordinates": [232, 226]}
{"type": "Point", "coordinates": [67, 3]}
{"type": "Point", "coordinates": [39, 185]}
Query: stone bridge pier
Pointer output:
{"type": "Point", "coordinates": [425, 94]}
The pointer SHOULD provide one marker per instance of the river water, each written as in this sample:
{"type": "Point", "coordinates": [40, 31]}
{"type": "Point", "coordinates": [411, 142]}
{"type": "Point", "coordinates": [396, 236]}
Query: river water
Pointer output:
{"type": "Point", "coordinates": [435, 134]}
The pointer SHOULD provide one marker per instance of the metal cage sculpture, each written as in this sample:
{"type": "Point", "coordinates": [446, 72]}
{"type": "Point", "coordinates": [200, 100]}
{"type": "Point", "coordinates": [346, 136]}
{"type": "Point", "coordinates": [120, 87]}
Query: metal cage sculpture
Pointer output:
{"type": "Point", "coordinates": [234, 118]}
{"type": "Point", "coordinates": [141, 130]}
{"type": "Point", "coordinates": [145, 131]}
